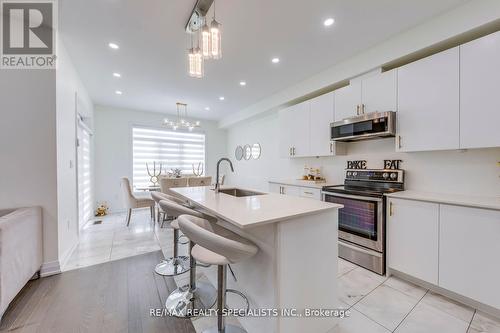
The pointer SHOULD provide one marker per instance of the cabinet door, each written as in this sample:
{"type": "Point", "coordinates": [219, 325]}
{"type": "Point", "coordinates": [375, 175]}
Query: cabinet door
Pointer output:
{"type": "Point", "coordinates": [322, 111]}
{"type": "Point", "coordinates": [286, 136]}
{"type": "Point", "coordinates": [428, 103]}
{"type": "Point", "coordinates": [479, 92]}
{"type": "Point", "coordinates": [300, 130]}
{"type": "Point", "coordinates": [275, 188]}
{"type": "Point", "coordinates": [412, 238]}
{"type": "Point", "coordinates": [379, 92]}
{"type": "Point", "coordinates": [291, 190]}
{"type": "Point", "coordinates": [346, 100]}
{"type": "Point", "coordinates": [468, 253]}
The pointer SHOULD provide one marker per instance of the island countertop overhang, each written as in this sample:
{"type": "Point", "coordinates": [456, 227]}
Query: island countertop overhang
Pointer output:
{"type": "Point", "coordinates": [252, 211]}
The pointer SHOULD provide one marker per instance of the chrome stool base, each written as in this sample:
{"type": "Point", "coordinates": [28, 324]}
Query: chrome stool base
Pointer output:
{"type": "Point", "coordinates": [173, 266]}
{"type": "Point", "coordinates": [228, 329]}
{"type": "Point", "coordinates": [181, 302]}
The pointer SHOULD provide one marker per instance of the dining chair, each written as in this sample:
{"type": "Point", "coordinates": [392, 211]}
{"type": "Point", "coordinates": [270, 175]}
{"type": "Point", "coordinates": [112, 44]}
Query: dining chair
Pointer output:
{"type": "Point", "coordinates": [132, 202]}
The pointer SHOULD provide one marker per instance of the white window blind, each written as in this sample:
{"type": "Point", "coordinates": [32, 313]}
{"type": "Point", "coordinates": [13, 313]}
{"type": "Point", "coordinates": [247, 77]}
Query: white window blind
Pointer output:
{"type": "Point", "coordinates": [174, 149]}
{"type": "Point", "coordinates": [84, 178]}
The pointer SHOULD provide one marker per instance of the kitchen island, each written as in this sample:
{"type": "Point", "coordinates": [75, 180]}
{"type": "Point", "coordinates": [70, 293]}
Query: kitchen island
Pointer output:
{"type": "Point", "coordinates": [296, 266]}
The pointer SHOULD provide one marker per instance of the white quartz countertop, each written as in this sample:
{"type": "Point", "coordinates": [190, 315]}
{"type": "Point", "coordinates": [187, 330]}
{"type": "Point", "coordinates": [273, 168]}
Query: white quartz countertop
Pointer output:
{"type": "Point", "coordinates": [487, 202]}
{"type": "Point", "coordinates": [252, 211]}
{"type": "Point", "coordinates": [303, 183]}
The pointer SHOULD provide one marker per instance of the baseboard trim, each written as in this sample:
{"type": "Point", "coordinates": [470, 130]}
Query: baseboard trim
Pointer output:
{"type": "Point", "coordinates": [68, 254]}
{"type": "Point", "coordinates": [50, 268]}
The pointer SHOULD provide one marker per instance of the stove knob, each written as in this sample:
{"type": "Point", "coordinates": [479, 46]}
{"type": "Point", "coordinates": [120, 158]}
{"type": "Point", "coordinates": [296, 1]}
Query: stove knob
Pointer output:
{"type": "Point", "coordinates": [349, 174]}
{"type": "Point", "coordinates": [385, 175]}
{"type": "Point", "coordinates": [354, 173]}
{"type": "Point", "coordinates": [394, 175]}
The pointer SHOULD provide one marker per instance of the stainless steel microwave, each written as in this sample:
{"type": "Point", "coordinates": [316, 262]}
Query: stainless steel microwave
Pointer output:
{"type": "Point", "coordinates": [367, 126]}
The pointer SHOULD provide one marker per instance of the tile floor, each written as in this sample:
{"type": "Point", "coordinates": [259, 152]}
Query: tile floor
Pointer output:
{"type": "Point", "coordinates": [113, 240]}
{"type": "Point", "coordinates": [377, 304]}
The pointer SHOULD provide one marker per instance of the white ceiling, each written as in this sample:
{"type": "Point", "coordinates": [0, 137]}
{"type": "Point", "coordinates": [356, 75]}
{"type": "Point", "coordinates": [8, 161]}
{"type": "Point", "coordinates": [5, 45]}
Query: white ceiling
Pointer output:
{"type": "Point", "coordinates": [152, 54]}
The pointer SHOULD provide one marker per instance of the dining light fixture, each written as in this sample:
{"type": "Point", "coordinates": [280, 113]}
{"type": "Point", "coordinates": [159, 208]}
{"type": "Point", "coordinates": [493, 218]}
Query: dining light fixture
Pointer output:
{"type": "Point", "coordinates": [206, 44]}
{"type": "Point", "coordinates": [195, 60]}
{"type": "Point", "coordinates": [181, 122]}
{"type": "Point", "coordinates": [216, 37]}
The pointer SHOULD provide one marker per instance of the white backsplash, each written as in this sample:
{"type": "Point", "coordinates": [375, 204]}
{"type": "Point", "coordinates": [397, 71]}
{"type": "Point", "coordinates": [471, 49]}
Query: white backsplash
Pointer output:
{"type": "Point", "coordinates": [473, 171]}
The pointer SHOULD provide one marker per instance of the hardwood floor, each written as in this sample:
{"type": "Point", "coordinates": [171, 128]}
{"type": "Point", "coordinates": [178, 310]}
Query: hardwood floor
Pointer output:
{"type": "Point", "coordinates": [111, 297]}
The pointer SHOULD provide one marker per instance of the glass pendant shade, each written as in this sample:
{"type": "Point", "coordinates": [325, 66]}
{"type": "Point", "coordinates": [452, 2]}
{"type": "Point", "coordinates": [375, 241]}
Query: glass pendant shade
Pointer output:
{"type": "Point", "coordinates": [216, 39]}
{"type": "Point", "coordinates": [206, 38]}
{"type": "Point", "coordinates": [198, 63]}
{"type": "Point", "coordinates": [191, 63]}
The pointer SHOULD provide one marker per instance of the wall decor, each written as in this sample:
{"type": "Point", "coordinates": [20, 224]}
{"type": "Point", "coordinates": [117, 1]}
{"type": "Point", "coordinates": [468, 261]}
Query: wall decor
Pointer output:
{"type": "Point", "coordinates": [256, 151]}
{"type": "Point", "coordinates": [238, 153]}
{"type": "Point", "coordinates": [392, 164]}
{"type": "Point", "coordinates": [154, 177]}
{"type": "Point", "coordinates": [361, 164]}
{"type": "Point", "coordinates": [247, 152]}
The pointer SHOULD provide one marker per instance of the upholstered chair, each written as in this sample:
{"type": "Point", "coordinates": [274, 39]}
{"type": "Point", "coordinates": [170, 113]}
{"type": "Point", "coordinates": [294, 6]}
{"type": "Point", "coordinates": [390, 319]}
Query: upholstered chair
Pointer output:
{"type": "Point", "coordinates": [132, 202]}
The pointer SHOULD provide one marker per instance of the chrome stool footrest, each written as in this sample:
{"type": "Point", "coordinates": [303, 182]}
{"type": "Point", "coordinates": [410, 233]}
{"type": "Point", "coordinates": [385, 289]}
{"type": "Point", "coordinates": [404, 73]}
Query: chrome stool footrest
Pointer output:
{"type": "Point", "coordinates": [239, 293]}
{"type": "Point", "coordinates": [173, 266]}
{"type": "Point", "coordinates": [184, 303]}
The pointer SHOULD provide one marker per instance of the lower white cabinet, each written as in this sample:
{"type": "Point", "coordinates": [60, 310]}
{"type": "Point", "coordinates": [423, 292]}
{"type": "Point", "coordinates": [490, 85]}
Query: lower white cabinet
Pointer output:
{"type": "Point", "coordinates": [284, 189]}
{"type": "Point", "coordinates": [469, 248]}
{"type": "Point", "coordinates": [298, 191]}
{"type": "Point", "coordinates": [412, 238]}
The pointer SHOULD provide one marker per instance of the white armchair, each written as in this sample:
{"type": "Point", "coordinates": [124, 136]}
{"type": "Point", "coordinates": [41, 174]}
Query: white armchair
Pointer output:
{"type": "Point", "coordinates": [20, 250]}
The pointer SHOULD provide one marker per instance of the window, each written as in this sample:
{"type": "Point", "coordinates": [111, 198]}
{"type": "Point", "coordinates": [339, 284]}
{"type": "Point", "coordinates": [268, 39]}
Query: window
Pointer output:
{"type": "Point", "coordinates": [174, 149]}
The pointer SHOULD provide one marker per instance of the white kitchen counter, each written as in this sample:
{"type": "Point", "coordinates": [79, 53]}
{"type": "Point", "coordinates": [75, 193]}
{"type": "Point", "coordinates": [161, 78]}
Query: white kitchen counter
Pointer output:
{"type": "Point", "coordinates": [486, 202]}
{"type": "Point", "coordinates": [297, 258]}
{"type": "Point", "coordinates": [247, 212]}
{"type": "Point", "coordinates": [302, 183]}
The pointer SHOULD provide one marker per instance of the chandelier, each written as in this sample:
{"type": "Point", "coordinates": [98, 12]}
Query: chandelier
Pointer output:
{"type": "Point", "coordinates": [208, 37]}
{"type": "Point", "coordinates": [181, 122]}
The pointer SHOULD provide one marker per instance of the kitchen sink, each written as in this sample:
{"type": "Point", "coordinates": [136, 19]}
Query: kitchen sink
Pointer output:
{"type": "Point", "coordinates": [238, 192]}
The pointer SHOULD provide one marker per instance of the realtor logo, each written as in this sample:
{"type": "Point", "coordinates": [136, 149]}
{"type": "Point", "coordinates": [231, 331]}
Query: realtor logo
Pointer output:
{"type": "Point", "coordinates": [28, 34]}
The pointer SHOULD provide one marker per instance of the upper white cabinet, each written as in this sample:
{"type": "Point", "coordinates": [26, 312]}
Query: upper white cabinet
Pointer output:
{"type": "Point", "coordinates": [428, 103]}
{"type": "Point", "coordinates": [347, 101]}
{"type": "Point", "coordinates": [480, 92]}
{"type": "Point", "coordinates": [468, 253]}
{"type": "Point", "coordinates": [370, 94]}
{"type": "Point", "coordinates": [379, 92]}
{"type": "Point", "coordinates": [305, 128]}
{"type": "Point", "coordinates": [295, 130]}
{"type": "Point", "coordinates": [412, 238]}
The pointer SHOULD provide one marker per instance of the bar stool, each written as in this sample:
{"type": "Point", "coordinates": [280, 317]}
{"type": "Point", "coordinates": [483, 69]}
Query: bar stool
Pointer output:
{"type": "Point", "coordinates": [217, 246]}
{"type": "Point", "coordinates": [176, 264]}
{"type": "Point", "coordinates": [157, 197]}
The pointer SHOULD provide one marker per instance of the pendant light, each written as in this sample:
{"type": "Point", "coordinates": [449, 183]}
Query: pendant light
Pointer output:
{"type": "Point", "coordinates": [206, 38]}
{"type": "Point", "coordinates": [191, 62]}
{"type": "Point", "coordinates": [198, 60]}
{"type": "Point", "coordinates": [216, 37]}
{"type": "Point", "coordinates": [181, 122]}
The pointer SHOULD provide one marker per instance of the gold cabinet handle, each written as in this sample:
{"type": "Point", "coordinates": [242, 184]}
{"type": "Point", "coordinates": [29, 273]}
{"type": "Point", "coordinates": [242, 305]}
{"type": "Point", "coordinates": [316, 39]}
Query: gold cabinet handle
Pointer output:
{"type": "Point", "coordinates": [390, 208]}
{"type": "Point", "coordinates": [362, 109]}
{"type": "Point", "coordinates": [357, 109]}
{"type": "Point", "coordinates": [310, 193]}
{"type": "Point", "coordinates": [399, 142]}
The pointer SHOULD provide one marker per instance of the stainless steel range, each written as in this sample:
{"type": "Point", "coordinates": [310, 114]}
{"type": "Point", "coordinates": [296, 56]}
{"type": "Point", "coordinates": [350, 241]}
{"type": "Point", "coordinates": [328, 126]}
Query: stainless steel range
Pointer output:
{"type": "Point", "coordinates": [362, 220]}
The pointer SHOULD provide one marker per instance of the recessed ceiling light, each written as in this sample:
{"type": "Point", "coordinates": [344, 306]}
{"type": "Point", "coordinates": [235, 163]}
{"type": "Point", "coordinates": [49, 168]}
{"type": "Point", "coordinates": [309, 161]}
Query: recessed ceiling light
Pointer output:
{"type": "Point", "coordinates": [275, 60]}
{"type": "Point", "coordinates": [221, 98]}
{"type": "Point", "coordinates": [117, 75]}
{"type": "Point", "coordinates": [114, 46]}
{"type": "Point", "coordinates": [243, 83]}
{"type": "Point", "coordinates": [207, 108]}
{"type": "Point", "coordinates": [328, 22]}
{"type": "Point", "coordinates": [119, 92]}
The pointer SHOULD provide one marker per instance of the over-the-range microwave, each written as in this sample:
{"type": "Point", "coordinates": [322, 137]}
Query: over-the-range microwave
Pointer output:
{"type": "Point", "coordinates": [367, 126]}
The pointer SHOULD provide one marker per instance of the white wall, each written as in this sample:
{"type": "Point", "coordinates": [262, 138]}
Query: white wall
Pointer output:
{"type": "Point", "coordinates": [70, 93]}
{"type": "Point", "coordinates": [28, 162]}
{"type": "Point", "coordinates": [113, 148]}
{"type": "Point", "coordinates": [462, 172]}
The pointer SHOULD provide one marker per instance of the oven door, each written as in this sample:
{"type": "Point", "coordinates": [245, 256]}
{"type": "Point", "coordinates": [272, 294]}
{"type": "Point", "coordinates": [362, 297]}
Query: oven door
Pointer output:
{"type": "Point", "coordinates": [361, 221]}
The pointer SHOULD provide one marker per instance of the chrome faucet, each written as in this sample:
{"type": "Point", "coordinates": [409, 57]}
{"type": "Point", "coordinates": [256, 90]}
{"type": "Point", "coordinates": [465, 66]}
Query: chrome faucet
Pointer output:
{"type": "Point", "coordinates": [217, 185]}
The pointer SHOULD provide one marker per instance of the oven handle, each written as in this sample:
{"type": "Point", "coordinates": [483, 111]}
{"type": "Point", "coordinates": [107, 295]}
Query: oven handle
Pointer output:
{"type": "Point", "coordinates": [359, 249]}
{"type": "Point", "coordinates": [356, 197]}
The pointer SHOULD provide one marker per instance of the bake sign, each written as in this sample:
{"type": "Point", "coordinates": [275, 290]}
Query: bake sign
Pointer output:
{"type": "Point", "coordinates": [356, 164]}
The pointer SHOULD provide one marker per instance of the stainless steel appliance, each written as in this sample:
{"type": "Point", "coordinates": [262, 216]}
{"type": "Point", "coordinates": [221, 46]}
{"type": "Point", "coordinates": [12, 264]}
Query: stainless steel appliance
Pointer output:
{"type": "Point", "coordinates": [366, 126]}
{"type": "Point", "coordinates": [362, 220]}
